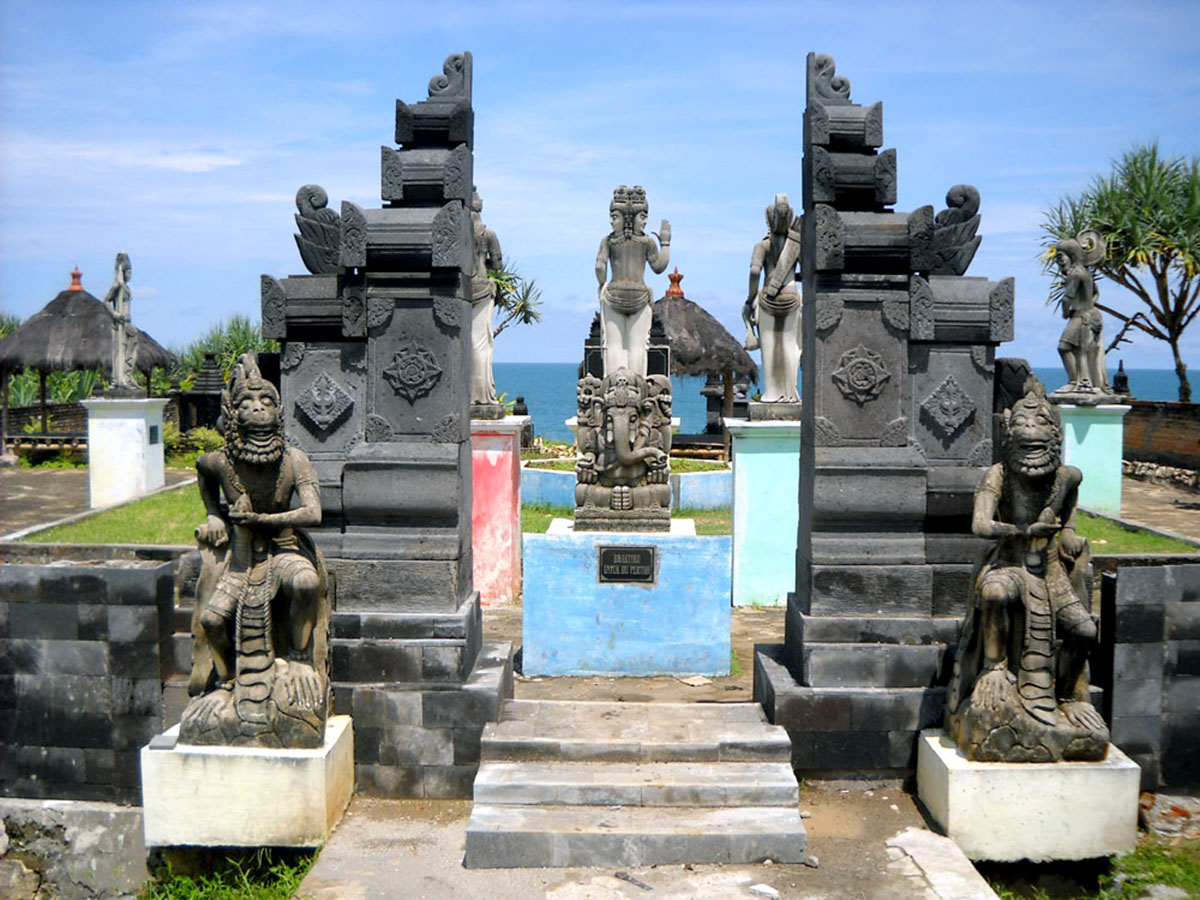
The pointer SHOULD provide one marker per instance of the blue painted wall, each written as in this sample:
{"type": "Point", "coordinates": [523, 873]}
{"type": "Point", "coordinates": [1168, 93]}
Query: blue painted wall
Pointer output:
{"type": "Point", "coordinates": [573, 625]}
{"type": "Point", "coordinates": [691, 490]}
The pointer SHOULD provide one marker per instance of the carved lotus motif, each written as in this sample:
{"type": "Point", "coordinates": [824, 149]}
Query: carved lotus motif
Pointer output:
{"type": "Point", "coordinates": [949, 406]}
{"type": "Point", "coordinates": [413, 372]}
{"type": "Point", "coordinates": [860, 375]}
{"type": "Point", "coordinates": [324, 401]}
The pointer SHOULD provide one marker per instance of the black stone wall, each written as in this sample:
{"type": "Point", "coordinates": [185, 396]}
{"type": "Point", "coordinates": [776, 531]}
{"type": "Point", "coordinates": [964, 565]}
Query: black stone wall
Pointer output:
{"type": "Point", "coordinates": [1151, 621]}
{"type": "Point", "coordinates": [82, 651]}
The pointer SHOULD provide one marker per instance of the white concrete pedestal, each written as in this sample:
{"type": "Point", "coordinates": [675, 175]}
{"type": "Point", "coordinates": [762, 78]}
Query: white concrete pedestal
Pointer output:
{"type": "Point", "coordinates": [1035, 811]}
{"type": "Point", "coordinates": [246, 796]}
{"type": "Point", "coordinates": [125, 448]}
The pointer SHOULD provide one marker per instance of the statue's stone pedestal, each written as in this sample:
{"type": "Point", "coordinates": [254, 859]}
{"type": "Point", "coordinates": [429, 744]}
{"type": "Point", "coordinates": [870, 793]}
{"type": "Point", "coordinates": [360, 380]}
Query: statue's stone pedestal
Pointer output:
{"type": "Point", "coordinates": [676, 622]}
{"type": "Point", "coordinates": [1036, 811]}
{"type": "Point", "coordinates": [496, 510]}
{"type": "Point", "coordinates": [771, 412]}
{"type": "Point", "coordinates": [246, 796]}
{"type": "Point", "coordinates": [1093, 438]}
{"type": "Point", "coordinates": [766, 509]}
{"type": "Point", "coordinates": [125, 448]}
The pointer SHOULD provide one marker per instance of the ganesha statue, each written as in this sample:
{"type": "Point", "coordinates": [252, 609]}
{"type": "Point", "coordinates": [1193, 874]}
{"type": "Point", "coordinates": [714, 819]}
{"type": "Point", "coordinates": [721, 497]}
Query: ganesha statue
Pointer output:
{"type": "Point", "coordinates": [624, 442]}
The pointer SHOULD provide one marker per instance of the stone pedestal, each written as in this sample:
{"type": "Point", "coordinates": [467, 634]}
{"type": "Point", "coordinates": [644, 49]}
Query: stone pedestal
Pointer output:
{"type": "Point", "coordinates": [496, 511]}
{"type": "Point", "coordinates": [1035, 811]}
{"type": "Point", "coordinates": [125, 448]}
{"type": "Point", "coordinates": [246, 796]}
{"type": "Point", "coordinates": [1093, 438]}
{"type": "Point", "coordinates": [659, 608]}
{"type": "Point", "coordinates": [766, 509]}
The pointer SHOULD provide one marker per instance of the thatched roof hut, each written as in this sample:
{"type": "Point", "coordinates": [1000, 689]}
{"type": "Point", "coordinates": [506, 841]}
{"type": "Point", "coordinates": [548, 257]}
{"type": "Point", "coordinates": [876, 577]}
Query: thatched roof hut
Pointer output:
{"type": "Point", "coordinates": [700, 345]}
{"type": "Point", "coordinates": [75, 331]}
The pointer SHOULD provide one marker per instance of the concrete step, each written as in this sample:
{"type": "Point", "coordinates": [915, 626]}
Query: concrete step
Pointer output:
{"type": "Point", "coordinates": [916, 630]}
{"type": "Point", "coordinates": [558, 731]}
{"type": "Point", "coordinates": [631, 784]}
{"type": "Point", "coordinates": [523, 836]}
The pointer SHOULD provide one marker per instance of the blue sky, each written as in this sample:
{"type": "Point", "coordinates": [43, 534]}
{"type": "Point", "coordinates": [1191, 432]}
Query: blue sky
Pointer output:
{"type": "Point", "coordinates": [179, 133]}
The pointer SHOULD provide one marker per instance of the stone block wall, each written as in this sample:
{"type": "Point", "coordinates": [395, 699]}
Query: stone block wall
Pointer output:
{"type": "Point", "coordinates": [82, 654]}
{"type": "Point", "coordinates": [1151, 620]}
{"type": "Point", "coordinates": [1166, 434]}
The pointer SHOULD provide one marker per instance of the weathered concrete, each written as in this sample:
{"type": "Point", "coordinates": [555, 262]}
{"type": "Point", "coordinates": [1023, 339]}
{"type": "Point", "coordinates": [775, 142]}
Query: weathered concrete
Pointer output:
{"type": "Point", "coordinates": [496, 507]}
{"type": "Point", "coordinates": [1037, 811]}
{"type": "Point", "coordinates": [71, 849]}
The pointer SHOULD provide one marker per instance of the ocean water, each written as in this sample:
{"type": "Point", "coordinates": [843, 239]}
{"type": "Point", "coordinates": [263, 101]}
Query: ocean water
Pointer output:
{"type": "Point", "coordinates": [549, 392]}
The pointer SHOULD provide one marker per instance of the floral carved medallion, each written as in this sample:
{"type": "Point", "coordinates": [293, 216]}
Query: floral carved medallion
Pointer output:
{"type": "Point", "coordinates": [413, 372]}
{"type": "Point", "coordinates": [860, 375]}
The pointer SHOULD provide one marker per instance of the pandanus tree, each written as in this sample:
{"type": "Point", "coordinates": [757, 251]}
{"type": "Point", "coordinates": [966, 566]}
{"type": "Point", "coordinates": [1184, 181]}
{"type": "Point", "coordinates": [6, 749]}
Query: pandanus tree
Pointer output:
{"type": "Point", "coordinates": [1148, 210]}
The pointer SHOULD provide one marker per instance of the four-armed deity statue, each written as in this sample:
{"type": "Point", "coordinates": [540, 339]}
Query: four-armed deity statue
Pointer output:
{"type": "Point", "coordinates": [1019, 691]}
{"type": "Point", "coordinates": [625, 314]}
{"type": "Point", "coordinates": [774, 310]}
{"type": "Point", "coordinates": [484, 404]}
{"type": "Point", "coordinates": [1082, 343]}
{"type": "Point", "coordinates": [624, 441]}
{"type": "Point", "coordinates": [260, 661]}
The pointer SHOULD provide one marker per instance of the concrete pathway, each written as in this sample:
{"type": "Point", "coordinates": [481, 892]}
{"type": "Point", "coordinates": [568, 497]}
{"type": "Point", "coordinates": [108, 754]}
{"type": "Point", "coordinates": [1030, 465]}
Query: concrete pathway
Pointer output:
{"type": "Point", "coordinates": [30, 497]}
{"type": "Point", "coordinates": [862, 842]}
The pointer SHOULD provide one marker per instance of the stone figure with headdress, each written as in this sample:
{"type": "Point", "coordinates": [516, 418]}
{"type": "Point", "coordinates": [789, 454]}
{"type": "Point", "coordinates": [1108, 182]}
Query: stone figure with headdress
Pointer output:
{"type": "Point", "coordinates": [483, 304]}
{"type": "Point", "coordinates": [625, 300]}
{"type": "Point", "coordinates": [260, 661]}
{"type": "Point", "coordinates": [1019, 691]}
{"type": "Point", "coordinates": [774, 310]}
{"type": "Point", "coordinates": [1082, 343]}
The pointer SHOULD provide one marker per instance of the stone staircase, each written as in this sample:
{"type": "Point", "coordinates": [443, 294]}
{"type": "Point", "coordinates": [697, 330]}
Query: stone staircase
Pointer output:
{"type": "Point", "coordinates": [634, 784]}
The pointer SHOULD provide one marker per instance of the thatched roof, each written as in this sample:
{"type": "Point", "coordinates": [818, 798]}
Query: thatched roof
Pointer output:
{"type": "Point", "coordinates": [74, 331]}
{"type": "Point", "coordinates": [700, 345]}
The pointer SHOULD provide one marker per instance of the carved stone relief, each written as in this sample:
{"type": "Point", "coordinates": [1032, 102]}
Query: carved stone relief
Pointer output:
{"type": "Point", "coordinates": [378, 429]}
{"type": "Point", "coordinates": [293, 355]}
{"type": "Point", "coordinates": [353, 248]}
{"type": "Point", "coordinates": [379, 311]}
{"type": "Point", "coordinates": [449, 311]}
{"type": "Point", "coordinates": [920, 309]}
{"type": "Point", "coordinates": [449, 429]}
{"type": "Point", "coordinates": [413, 371]}
{"type": "Point", "coordinates": [829, 312]}
{"type": "Point", "coordinates": [354, 312]}
{"type": "Point", "coordinates": [447, 236]}
{"type": "Point", "coordinates": [895, 313]}
{"type": "Point", "coordinates": [274, 308]}
{"type": "Point", "coordinates": [1000, 305]}
{"type": "Point", "coordinates": [949, 406]}
{"type": "Point", "coordinates": [860, 375]}
{"type": "Point", "coordinates": [324, 402]}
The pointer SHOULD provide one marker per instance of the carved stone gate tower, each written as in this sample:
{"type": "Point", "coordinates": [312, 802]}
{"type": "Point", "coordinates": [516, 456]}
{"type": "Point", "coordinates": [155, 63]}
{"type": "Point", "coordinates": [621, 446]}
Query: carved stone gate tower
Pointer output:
{"type": "Point", "coordinates": [897, 383]}
{"type": "Point", "coordinates": [375, 371]}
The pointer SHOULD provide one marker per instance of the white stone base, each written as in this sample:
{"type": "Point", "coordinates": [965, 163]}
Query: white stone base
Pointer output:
{"type": "Point", "coordinates": [245, 796]}
{"type": "Point", "coordinates": [1034, 811]}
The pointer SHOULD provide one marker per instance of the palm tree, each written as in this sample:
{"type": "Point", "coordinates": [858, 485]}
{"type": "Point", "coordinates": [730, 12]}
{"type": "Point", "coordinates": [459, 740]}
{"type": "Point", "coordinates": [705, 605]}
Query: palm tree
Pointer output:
{"type": "Point", "coordinates": [518, 300]}
{"type": "Point", "coordinates": [1148, 210]}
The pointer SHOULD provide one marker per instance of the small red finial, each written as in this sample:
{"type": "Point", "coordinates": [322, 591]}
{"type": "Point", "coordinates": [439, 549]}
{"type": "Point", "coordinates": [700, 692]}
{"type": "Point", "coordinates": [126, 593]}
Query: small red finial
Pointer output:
{"type": "Point", "coordinates": [75, 280]}
{"type": "Point", "coordinates": [675, 290]}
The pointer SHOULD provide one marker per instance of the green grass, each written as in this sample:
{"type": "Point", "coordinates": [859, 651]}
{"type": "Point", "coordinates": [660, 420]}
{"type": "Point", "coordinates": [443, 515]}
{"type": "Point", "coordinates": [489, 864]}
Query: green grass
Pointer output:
{"type": "Point", "coordinates": [535, 519]}
{"type": "Point", "coordinates": [1108, 537]}
{"type": "Point", "coordinates": [1154, 862]}
{"type": "Point", "coordinates": [679, 465]}
{"type": "Point", "coordinates": [735, 664]}
{"type": "Point", "coordinates": [168, 517]}
{"type": "Point", "coordinates": [250, 875]}
{"type": "Point", "coordinates": [1123, 877]}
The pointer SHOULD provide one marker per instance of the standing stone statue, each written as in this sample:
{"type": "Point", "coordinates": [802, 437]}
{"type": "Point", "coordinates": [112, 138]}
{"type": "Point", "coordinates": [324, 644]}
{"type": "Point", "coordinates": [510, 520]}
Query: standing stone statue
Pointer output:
{"type": "Point", "coordinates": [484, 404]}
{"type": "Point", "coordinates": [118, 299]}
{"type": "Point", "coordinates": [1082, 343]}
{"type": "Point", "coordinates": [1019, 692]}
{"type": "Point", "coordinates": [260, 662]}
{"type": "Point", "coordinates": [774, 311]}
{"type": "Point", "coordinates": [625, 301]}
